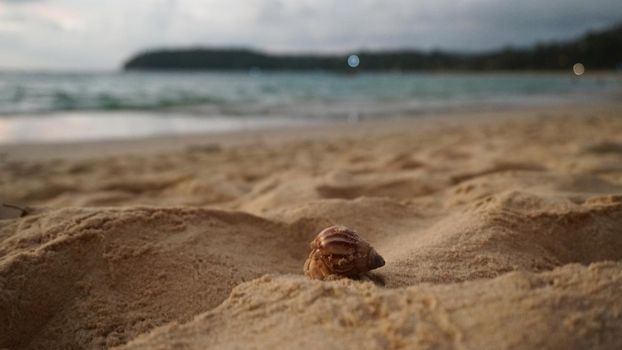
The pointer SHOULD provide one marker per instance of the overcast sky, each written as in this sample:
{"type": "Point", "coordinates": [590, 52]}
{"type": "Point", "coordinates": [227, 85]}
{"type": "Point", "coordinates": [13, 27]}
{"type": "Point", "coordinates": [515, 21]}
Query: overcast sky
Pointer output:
{"type": "Point", "coordinates": [101, 34]}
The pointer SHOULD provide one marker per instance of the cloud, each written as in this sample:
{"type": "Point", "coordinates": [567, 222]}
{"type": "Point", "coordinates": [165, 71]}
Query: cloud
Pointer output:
{"type": "Point", "coordinates": [101, 34]}
{"type": "Point", "coordinates": [33, 17]}
{"type": "Point", "coordinates": [21, 1]}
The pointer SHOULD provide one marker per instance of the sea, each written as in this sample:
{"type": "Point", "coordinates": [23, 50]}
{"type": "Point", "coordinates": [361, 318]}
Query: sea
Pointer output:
{"type": "Point", "coordinates": [63, 107]}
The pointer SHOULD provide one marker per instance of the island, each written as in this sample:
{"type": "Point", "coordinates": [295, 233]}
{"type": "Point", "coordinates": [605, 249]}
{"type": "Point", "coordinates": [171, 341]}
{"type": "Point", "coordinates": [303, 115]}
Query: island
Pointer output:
{"type": "Point", "coordinates": [598, 50]}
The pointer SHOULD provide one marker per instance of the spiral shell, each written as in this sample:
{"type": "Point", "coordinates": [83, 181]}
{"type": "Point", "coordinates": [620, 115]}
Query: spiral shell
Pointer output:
{"type": "Point", "coordinates": [340, 251]}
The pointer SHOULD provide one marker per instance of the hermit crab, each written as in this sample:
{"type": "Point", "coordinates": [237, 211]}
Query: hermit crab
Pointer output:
{"type": "Point", "coordinates": [338, 251]}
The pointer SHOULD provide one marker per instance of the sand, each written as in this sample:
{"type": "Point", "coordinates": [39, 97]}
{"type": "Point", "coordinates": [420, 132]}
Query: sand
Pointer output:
{"type": "Point", "coordinates": [500, 231]}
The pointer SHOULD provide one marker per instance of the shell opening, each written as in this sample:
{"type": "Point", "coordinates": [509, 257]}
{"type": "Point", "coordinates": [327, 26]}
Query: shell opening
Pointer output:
{"type": "Point", "coordinates": [375, 261]}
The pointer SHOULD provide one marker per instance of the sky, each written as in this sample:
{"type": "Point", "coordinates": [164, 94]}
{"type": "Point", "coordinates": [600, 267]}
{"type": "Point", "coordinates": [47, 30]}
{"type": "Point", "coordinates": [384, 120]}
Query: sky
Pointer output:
{"type": "Point", "coordinates": [102, 34]}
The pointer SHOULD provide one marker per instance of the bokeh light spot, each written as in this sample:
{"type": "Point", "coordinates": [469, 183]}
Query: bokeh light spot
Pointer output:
{"type": "Point", "coordinates": [578, 69]}
{"type": "Point", "coordinates": [353, 61]}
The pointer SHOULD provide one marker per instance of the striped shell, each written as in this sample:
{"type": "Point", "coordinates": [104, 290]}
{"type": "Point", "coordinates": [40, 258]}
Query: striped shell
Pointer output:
{"type": "Point", "coordinates": [339, 251]}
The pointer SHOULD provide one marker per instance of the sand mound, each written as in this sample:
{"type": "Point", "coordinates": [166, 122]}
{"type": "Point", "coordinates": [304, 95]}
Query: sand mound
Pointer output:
{"type": "Point", "coordinates": [570, 307]}
{"type": "Point", "coordinates": [491, 241]}
{"type": "Point", "coordinates": [97, 278]}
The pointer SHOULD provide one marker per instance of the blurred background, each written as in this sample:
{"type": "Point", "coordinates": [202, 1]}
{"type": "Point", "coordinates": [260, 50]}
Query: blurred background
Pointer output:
{"type": "Point", "coordinates": [83, 69]}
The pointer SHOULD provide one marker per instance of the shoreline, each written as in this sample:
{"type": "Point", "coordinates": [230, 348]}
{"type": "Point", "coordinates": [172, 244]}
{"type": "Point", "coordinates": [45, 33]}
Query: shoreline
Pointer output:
{"type": "Point", "coordinates": [175, 142]}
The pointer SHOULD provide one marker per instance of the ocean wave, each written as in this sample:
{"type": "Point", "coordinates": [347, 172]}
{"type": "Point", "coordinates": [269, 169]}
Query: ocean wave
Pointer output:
{"type": "Point", "coordinates": [243, 94]}
{"type": "Point", "coordinates": [64, 102]}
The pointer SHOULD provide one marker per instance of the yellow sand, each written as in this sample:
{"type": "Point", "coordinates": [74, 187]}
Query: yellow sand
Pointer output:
{"type": "Point", "coordinates": [500, 231]}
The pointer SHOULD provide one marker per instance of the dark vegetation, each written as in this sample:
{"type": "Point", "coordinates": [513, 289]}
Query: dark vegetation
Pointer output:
{"type": "Point", "coordinates": [595, 50]}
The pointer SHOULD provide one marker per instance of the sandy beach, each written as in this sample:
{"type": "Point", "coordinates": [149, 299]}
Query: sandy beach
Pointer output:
{"type": "Point", "coordinates": [500, 230]}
